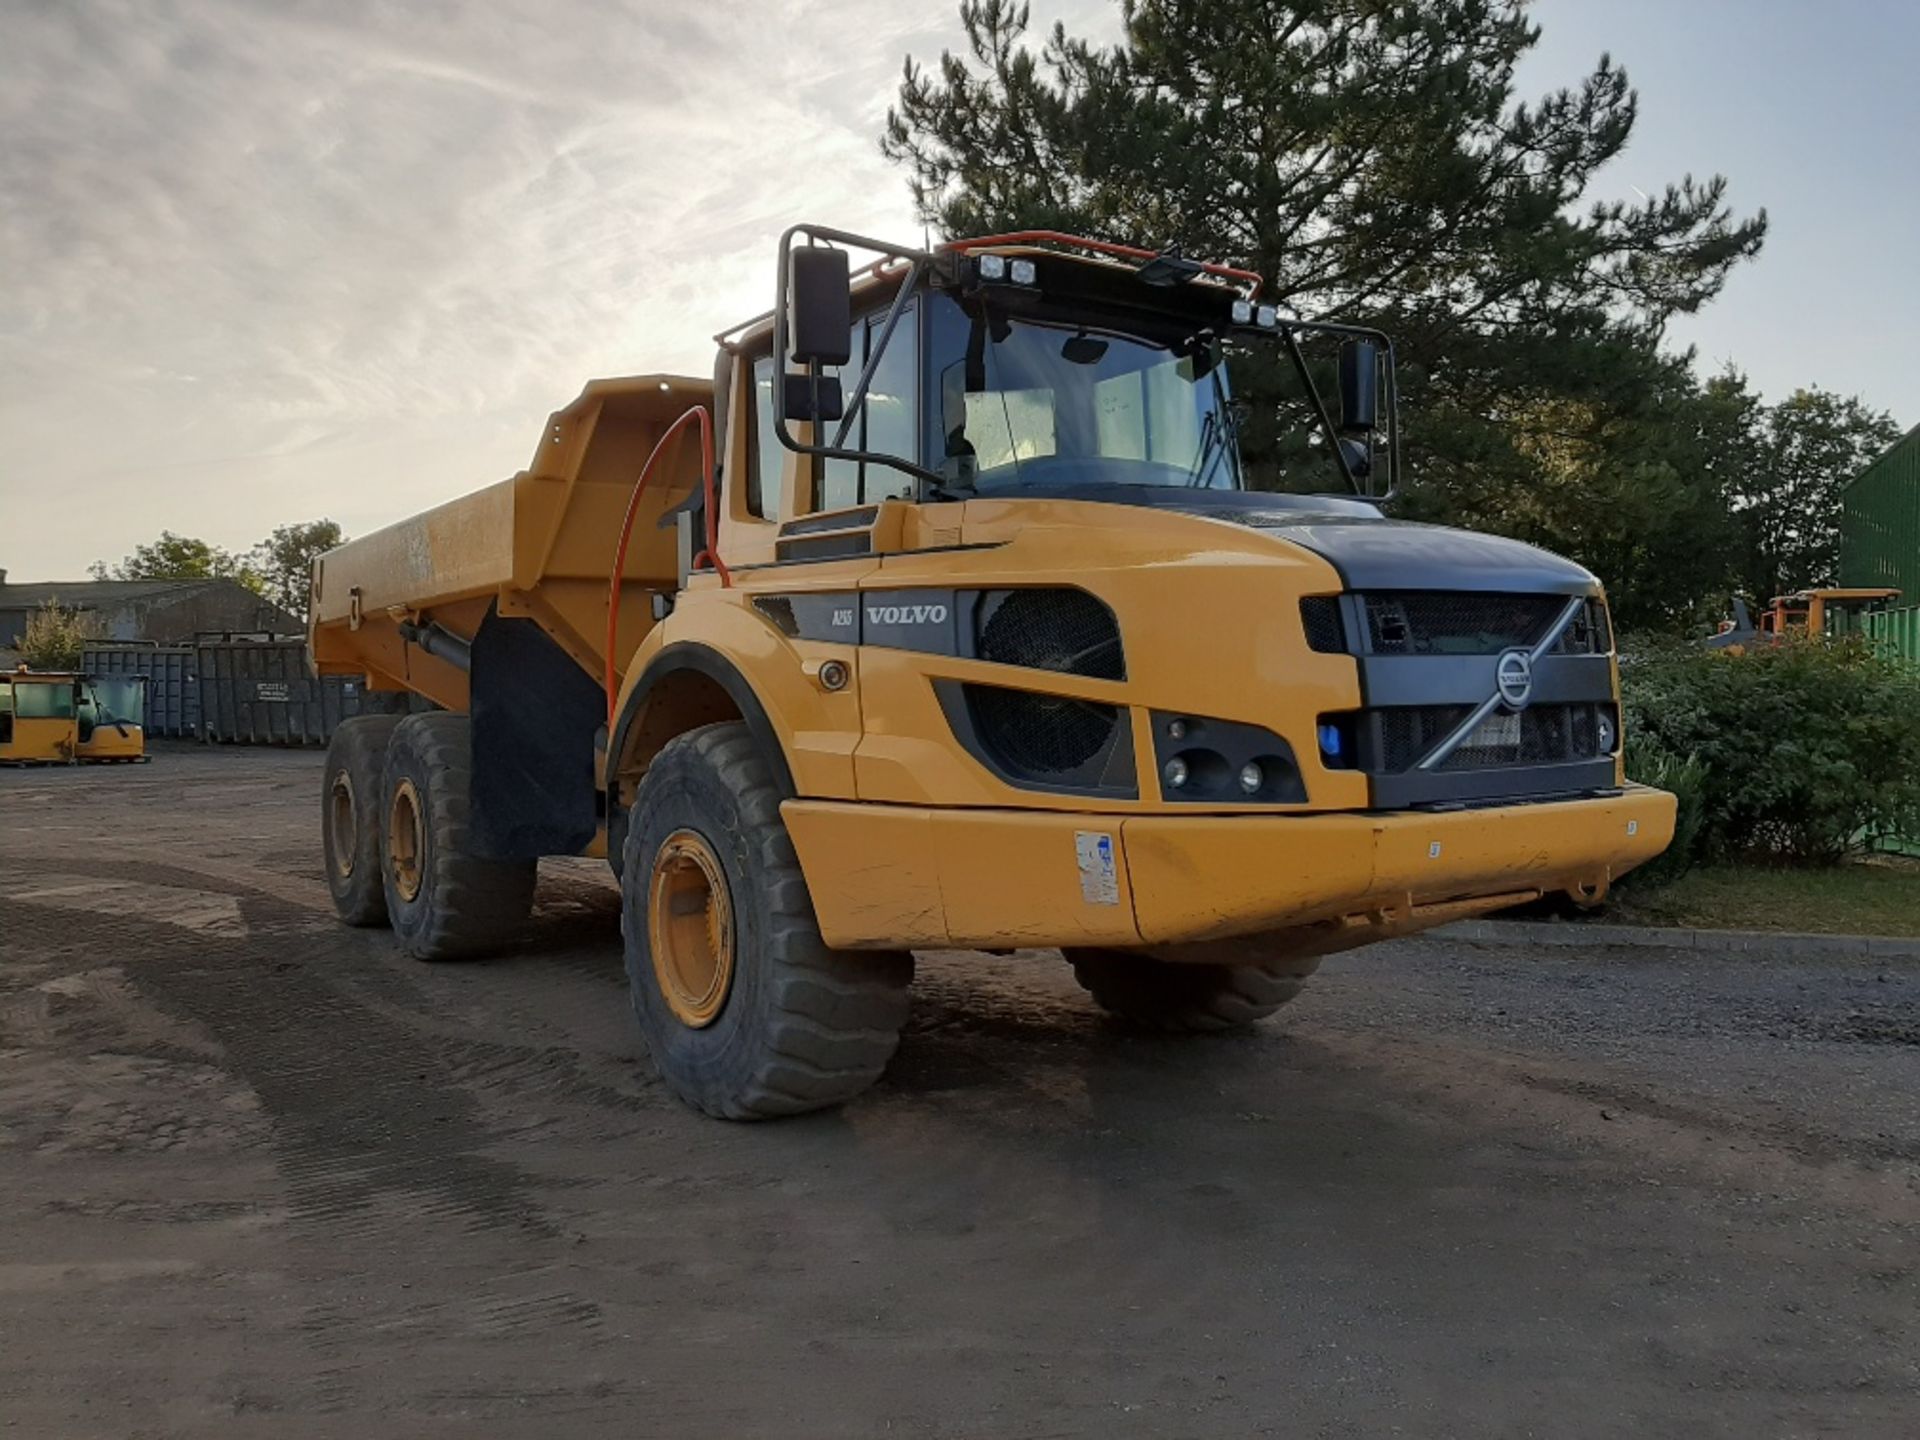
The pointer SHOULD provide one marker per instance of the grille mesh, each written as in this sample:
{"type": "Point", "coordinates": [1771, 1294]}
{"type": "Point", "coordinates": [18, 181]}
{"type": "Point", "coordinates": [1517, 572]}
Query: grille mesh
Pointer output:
{"type": "Point", "coordinates": [1039, 736]}
{"type": "Point", "coordinates": [1408, 732]}
{"type": "Point", "coordinates": [1589, 633]}
{"type": "Point", "coordinates": [1320, 614]}
{"type": "Point", "coordinates": [778, 609]}
{"type": "Point", "coordinates": [1067, 631]}
{"type": "Point", "coordinates": [1419, 622]}
{"type": "Point", "coordinates": [1538, 735]}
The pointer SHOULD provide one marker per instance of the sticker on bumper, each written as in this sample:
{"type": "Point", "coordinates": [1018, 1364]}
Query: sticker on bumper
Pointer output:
{"type": "Point", "coordinates": [1099, 878]}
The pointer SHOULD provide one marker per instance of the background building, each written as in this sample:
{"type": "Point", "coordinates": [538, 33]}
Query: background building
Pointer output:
{"type": "Point", "coordinates": [166, 612]}
{"type": "Point", "coordinates": [1880, 524]}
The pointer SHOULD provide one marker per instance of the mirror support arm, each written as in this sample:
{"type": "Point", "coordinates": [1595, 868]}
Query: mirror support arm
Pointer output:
{"type": "Point", "coordinates": [894, 312]}
{"type": "Point", "coordinates": [781, 431]}
{"type": "Point", "coordinates": [1320, 408]}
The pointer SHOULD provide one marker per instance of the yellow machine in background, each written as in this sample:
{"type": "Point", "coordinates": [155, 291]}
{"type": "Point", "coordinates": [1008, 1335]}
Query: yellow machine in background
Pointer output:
{"type": "Point", "coordinates": [1830, 611]}
{"type": "Point", "coordinates": [58, 718]}
{"type": "Point", "coordinates": [946, 615]}
{"type": "Point", "coordinates": [111, 714]}
{"type": "Point", "coordinates": [39, 719]}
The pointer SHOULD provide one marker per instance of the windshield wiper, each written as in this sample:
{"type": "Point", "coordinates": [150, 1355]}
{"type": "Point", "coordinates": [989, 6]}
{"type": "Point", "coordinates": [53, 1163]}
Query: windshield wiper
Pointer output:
{"type": "Point", "coordinates": [1219, 434]}
{"type": "Point", "coordinates": [1211, 432]}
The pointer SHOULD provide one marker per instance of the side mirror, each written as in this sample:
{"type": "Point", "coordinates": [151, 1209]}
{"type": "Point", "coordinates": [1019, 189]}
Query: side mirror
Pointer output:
{"type": "Point", "coordinates": [820, 307]}
{"type": "Point", "coordinates": [1359, 385]}
{"type": "Point", "coordinates": [813, 397]}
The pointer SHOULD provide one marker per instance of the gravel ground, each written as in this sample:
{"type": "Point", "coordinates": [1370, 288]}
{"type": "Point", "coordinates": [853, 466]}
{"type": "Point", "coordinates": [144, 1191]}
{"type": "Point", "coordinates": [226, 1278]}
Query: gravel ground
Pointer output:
{"type": "Point", "coordinates": [261, 1176]}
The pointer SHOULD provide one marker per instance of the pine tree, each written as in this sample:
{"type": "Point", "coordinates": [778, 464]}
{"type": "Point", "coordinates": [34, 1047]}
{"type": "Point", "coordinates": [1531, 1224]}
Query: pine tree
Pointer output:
{"type": "Point", "coordinates": [1372, 160]}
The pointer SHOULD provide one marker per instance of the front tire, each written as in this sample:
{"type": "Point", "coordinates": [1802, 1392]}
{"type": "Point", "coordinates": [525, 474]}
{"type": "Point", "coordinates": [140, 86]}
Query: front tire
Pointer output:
{"type": "Point", "coordinates": [350, 814]}
{"type": "Point", "coordinates": [746, 1011]}
{"type": "Point", "coordinates": [1187, 997]}
{"type": "Point", "coordinates": [444, 902]}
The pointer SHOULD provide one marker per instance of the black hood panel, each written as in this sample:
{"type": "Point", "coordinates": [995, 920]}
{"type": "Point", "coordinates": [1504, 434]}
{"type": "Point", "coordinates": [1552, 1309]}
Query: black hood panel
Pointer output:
{"type": "Point", "coordinates": [1399, 555]}
{"type": "Point", "coordinates": [1370, 551]}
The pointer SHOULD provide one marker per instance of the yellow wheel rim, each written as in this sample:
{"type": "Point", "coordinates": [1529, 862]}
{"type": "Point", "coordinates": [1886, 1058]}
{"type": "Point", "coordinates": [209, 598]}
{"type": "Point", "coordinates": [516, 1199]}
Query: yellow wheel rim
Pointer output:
{"type": "Point", "coordinates": [342, 823]}
{"type": "Point", "coordinates": [690, 929]}
{"type": "Point", "coordinates": [405, 840]}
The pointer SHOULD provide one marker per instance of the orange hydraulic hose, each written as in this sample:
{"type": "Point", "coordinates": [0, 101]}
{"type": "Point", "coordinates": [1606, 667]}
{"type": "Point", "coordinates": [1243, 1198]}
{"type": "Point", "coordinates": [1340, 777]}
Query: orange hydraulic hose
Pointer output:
{"type": "Point", "coordinates": [708, 556]}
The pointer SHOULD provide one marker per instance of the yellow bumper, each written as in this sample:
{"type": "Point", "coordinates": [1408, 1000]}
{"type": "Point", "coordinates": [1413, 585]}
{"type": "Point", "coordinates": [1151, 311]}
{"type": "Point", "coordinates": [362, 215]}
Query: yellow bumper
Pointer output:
{"type": "Point", "coordinates": [892, 877]}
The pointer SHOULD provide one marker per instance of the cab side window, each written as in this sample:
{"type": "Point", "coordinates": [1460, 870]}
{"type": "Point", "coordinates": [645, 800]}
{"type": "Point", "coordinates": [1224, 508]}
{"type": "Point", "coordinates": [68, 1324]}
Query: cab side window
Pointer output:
{"type": "Point", "coordinates": [888, 422]}
{"type": "Point", "coordinates": [763, 446]}
{"type": "Point", "coordinates": [892, 412]}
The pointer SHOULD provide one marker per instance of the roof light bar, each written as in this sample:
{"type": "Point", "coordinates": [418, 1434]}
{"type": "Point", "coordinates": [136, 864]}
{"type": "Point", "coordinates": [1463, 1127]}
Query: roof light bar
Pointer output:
{"type": "Point", "coordinates": [1247, 279]}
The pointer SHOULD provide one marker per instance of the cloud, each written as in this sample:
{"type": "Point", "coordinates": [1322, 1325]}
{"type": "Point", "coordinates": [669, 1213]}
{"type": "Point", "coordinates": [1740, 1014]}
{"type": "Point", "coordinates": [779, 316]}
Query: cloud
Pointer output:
{"type": "Point", "coordinates": [267, 261]}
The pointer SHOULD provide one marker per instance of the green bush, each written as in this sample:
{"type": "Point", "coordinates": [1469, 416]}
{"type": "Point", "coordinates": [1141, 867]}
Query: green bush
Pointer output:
{"type": "Point", "coordinates": [55, 636]}
{"type": "Point", "coordinates": [1686, 779]}
{"type": "Point", "coordinates": [1800, 748]}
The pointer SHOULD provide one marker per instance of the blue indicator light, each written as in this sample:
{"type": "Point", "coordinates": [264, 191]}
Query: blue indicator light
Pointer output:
{"type": "Point", "coordinates": [1330, 740]}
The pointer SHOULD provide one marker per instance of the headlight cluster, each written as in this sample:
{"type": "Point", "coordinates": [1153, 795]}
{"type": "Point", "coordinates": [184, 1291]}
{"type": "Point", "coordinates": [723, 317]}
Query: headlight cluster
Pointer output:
{"type": "Point", "coordinates": [1223, 762]}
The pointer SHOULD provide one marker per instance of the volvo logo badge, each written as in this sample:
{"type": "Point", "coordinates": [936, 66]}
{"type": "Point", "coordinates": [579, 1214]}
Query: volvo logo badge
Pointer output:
{"type": "Point", "coordinates": [1514, 677]}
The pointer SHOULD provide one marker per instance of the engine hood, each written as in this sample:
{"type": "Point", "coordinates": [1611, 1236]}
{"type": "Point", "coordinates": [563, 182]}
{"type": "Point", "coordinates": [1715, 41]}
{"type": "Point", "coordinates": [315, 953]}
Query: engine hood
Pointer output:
{"type": "Point", "coordinates": [1370, 551]}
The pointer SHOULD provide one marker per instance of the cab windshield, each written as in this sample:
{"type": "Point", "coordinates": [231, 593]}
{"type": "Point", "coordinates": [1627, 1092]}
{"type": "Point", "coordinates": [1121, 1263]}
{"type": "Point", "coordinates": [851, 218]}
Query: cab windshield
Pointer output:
{"type": "Point", "coordinates": [121, 698]}
{"type": "Point", "coordinates": [1024, 402]}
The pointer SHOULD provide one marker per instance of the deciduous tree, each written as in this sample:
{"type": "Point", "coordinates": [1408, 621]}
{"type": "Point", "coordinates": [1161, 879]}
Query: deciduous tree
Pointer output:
{"type": "Point", "coordinates": [179, 557]}
{"type": "Point", "coordinates": [1806, 450]}
{"type": "Point", "coordinates": [285, 561]}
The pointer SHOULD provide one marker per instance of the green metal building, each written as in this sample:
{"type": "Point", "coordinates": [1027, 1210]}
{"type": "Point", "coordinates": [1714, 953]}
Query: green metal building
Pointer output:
{"type": "Point", "coordinates": [1880, 521]}
{"type": "Point", "coordinates": [1880, 541]}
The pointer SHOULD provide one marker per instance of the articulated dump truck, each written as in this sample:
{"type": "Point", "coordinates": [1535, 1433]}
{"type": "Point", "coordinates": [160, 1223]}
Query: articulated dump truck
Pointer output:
{"type": "Point", "coordinates": [945, 615]}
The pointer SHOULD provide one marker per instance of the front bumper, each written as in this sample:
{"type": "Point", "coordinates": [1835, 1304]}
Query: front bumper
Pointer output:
{"type": "Point", "coordinates": [908, 877]}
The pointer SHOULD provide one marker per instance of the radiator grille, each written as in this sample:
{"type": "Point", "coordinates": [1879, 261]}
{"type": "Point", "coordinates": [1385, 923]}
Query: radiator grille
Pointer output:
{"type": "Point", "coordinates": [1416, 622]}
{"type": "Point", "coordinates": [1320, 614]}
{"type": "Point", "coordinates": [1589, 633]}
{"type": "Point", "coordinates": [1538, 735]}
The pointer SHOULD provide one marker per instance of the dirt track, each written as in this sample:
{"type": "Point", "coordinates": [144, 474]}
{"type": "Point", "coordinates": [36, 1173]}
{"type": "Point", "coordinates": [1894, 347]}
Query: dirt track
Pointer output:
{"type": "Point", "coordinates": [259, 1176]}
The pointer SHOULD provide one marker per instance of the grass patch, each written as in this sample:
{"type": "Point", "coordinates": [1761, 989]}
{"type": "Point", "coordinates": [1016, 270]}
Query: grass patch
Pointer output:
{"type": "Point", "coordinates": [1873, 897]}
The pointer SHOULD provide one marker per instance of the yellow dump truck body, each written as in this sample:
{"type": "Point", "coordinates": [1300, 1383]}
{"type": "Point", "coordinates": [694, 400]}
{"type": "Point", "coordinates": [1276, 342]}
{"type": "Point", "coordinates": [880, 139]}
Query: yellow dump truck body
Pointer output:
{"type": "Point", "coordinates": [539, 545]}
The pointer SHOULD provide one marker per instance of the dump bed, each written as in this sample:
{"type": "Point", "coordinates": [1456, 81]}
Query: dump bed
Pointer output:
{"type": "Point", "coordinates": [540, 545]}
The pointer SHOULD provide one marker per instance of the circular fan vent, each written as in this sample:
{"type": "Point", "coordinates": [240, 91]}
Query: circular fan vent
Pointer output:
{"type": "Point", "coordinates": [1037, 736]}
{"type": "Point", "coordinates": [1041, 737]}
{"type": "Point", "coordinates": [1064, 630]}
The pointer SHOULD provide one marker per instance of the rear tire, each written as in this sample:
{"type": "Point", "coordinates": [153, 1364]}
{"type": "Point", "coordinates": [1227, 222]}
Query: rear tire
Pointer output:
{"type": "Point", "coordinates": [746, 1011]}
{"type": "Point", "coordinates": [1184, 997]}
{"type": "Point", "coordinates": [444, 902]}
{"type": "Point", "coordinates": [350, 818]}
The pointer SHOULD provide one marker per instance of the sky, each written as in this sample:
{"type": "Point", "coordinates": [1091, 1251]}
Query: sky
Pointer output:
{"type": "Point", "coordinates": [267, 260]}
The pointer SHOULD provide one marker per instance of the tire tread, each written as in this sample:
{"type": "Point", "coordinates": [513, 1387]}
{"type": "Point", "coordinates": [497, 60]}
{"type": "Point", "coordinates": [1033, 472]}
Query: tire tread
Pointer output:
{"type": "Point", "coordinates": [359, 746]}
{"type": "Point", "coordinates": [834, 1018]}
{"type": "Point", "coordinates": [473, 904]}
